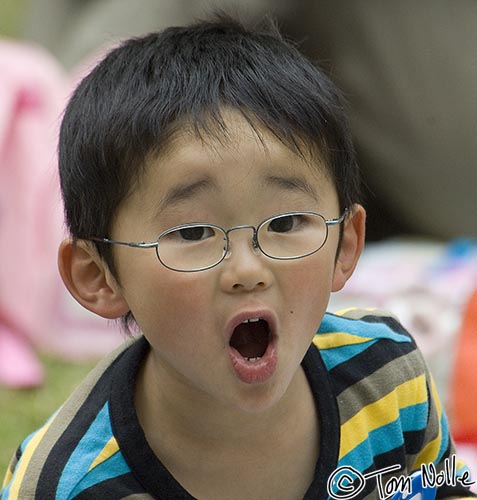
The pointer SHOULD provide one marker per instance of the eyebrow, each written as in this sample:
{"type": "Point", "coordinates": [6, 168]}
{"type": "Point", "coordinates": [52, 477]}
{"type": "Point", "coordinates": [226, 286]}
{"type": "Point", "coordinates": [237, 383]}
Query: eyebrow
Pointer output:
{"type": "Point", "coordinates": [293, 183]}
{"type": "Point", "coordinates": [185, 191]}
{"type": "Point", "coordinates": [188, 190]}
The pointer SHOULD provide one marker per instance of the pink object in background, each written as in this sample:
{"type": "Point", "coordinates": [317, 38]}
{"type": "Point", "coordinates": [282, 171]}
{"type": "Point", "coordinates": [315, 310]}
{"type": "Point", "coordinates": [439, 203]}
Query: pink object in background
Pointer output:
{"type": "Point", "coordinates": [32, 90]}
{"type": "Point", "coordinates": [19, 365]}
{"type": "Point", "coordinates": [35, 310]}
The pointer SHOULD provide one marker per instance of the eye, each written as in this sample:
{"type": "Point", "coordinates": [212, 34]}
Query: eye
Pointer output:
{"type": "Point", "coordinates": [286, 223]}
{"type": "Point", "coordinates": [195, 233]}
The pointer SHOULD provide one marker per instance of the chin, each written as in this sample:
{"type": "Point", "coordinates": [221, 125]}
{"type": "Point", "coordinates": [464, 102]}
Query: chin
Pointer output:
{"type": "Point", "coordinates": [260, 398]}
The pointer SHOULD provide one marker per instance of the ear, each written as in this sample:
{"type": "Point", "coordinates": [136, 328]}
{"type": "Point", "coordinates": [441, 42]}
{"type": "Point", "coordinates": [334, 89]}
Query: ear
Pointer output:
{"type": "Point", "coordinates": [89, 279]}
{"type": "Point", "coordinates": [352, 243]}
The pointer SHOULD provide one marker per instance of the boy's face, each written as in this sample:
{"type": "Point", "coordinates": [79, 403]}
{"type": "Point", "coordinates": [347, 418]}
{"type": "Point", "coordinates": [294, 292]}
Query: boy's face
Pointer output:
{"type": "Point", "coordinates": [191, 319]}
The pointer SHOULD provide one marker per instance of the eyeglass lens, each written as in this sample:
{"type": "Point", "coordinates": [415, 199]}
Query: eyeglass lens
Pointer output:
{"type": "Point", "coordinates": [200, 246]}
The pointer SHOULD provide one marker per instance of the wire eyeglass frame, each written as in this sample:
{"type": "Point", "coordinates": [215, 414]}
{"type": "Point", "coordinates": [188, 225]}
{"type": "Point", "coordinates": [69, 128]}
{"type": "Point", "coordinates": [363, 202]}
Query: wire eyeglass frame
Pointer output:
{"type": "Point", "coordinates": [226, 249]}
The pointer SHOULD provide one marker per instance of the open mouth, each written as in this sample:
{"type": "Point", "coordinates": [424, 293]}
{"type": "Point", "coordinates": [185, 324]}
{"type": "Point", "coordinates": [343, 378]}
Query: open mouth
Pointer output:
{"type": "Point", "coordinates": [253, 347]}
{"type": "Point", "coordinates": [251, 338]}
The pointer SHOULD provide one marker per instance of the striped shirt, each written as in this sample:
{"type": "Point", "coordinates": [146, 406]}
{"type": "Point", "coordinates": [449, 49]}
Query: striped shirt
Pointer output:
{"type": "Point", "coordinates": [377, 403]}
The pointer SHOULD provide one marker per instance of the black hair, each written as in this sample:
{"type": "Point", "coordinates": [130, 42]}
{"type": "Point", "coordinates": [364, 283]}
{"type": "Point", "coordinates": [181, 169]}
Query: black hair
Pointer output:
{"type": "Point", "coordinates": [144, 90]}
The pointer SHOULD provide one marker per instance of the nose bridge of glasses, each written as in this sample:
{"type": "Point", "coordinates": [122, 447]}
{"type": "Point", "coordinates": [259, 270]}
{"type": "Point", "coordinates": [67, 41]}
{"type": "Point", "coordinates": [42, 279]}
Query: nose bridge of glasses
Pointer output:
{"type": "Point", "coordinates": [255, 246]}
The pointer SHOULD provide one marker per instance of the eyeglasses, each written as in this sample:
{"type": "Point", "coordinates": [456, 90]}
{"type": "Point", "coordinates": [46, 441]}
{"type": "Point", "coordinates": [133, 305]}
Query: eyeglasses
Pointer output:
{"type": "Point", "coordinates": [197, 246]}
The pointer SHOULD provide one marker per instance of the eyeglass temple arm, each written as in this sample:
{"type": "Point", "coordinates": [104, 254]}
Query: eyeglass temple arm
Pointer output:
{"type": "Point", "coordinates": [141, 244]}
{"type": "Point", "coordinates": [338, 220]}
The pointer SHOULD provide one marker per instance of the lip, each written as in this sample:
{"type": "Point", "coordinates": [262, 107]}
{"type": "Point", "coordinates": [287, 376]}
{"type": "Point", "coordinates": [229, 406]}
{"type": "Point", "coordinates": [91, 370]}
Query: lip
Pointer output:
{"type": "Point", "coordinates": [254, 372]}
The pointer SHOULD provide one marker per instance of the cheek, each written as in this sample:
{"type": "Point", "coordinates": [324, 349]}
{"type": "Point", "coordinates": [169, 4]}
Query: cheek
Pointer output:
{"type": "Point", "coordinates": [164, 301]}
{"type": "Point", "coordinates": [309, 288]}
{"type": "Point", "coordinates": [312, 274]}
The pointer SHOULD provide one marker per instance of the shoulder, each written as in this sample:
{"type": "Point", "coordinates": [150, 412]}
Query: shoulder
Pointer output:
{"type": "Point", "coordinates": [389, 410]}
{"type": "Point", "coordinates": [368, 352]}
{"type": "Point", "coordinates": [76, 445]}
{"type": "Point", "coordinates": [380, 382]}
{"type": "Point", "coordinates": [365, 334]}
{"type": "Point", "coordinates": [371, 324]}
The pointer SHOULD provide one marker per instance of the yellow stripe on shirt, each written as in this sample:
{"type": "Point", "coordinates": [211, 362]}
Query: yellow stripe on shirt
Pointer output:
{"type": "Point", "coordinates": [338, 339]}
{"type": "Point", "coordinates": [8, 477]}
{"type": "Point", "coordinates": [110, 448]}
{"type": "Point", "coordinates": [25, 461]}
{"type": "Point", "coordinates": [431, 451]}
{"type": "Point", "coordinates": [380, 413]}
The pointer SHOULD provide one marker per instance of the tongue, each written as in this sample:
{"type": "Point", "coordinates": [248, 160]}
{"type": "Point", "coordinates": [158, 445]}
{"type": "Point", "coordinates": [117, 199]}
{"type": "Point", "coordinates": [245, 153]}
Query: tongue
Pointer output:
{"type": "Point", "coordinates": [251, 339]}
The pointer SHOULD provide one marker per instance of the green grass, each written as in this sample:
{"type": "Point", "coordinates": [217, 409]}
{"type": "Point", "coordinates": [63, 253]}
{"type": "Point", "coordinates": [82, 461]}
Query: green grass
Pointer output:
{"type": "Point", "coordinates": [23, 411]}
{"type": "Point", "coordinates": [11, 12]}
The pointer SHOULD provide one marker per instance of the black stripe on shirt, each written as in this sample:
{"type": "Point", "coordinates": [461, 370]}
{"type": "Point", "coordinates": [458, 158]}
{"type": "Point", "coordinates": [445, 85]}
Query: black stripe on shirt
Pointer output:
{"type": "Point", "coordinates": [367, 362]}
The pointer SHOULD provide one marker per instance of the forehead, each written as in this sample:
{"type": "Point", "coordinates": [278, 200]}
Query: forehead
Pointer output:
{"type": "Point", "coordinates": [231, 141]}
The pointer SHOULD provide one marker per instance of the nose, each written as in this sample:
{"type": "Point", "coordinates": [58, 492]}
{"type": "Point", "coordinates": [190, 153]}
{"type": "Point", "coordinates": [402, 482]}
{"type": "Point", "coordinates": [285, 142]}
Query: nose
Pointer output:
{"type": "Point", "coordinates": [245, 268]}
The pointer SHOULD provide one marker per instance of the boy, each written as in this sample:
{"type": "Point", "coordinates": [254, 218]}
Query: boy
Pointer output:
{"type": "Point", "coordinates": [211, 192]}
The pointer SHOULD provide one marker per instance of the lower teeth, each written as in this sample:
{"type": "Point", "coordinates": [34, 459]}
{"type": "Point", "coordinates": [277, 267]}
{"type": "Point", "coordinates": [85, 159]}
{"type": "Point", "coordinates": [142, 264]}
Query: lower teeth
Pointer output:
{"type": "Point", "coordinates": [253, 359]}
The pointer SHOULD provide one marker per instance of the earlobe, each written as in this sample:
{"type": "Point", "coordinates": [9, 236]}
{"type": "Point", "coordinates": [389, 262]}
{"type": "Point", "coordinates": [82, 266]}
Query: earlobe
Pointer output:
{"type": "Point", "coordinates": [89, 280]}
{"type": "Point", "coordinates": [352, 244]}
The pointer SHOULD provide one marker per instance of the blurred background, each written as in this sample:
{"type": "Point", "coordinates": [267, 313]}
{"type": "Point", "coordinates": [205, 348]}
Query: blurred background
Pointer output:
{"type": "Point", "coordinates": [408, 71]}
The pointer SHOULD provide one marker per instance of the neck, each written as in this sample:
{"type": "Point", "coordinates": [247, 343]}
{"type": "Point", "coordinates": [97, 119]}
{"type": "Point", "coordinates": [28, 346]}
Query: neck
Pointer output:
{"type": "Point", "coordinates": [216, 451]}
{"type": "Point", "coordinates": [197, 420]}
